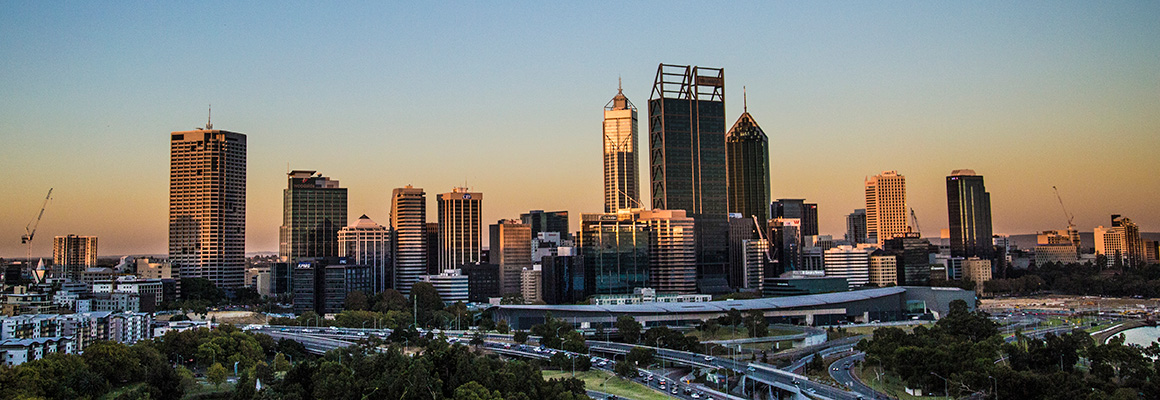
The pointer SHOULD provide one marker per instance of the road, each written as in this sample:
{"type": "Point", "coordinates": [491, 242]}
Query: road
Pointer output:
{"type": "Point", "coordinates": [842, 371]}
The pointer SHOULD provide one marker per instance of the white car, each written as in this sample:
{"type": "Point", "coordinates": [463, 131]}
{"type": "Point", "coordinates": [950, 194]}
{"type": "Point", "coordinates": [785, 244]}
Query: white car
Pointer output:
{"type": "Point", "coordinates": [708, 358]}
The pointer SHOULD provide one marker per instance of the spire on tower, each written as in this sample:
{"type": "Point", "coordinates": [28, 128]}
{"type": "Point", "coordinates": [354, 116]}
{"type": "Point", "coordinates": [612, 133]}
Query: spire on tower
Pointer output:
{"type": "Point", "coordinates": [209, 120]}
{"type": "Point", "coordinates": [744, 100]}
{"type": "Point", "coordinates": [619, 87]}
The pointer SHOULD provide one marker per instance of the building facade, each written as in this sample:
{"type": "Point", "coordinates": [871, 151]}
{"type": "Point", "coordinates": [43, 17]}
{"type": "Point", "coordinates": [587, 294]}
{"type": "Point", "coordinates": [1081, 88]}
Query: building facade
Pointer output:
{"type": "Point", "coordinates": [856, 227]}
{"type": "Point", "coordinates": [313, 210]}
{"type": "Point", "coordinates": [672, 252]}
{"type": "Point", "coordinates": [207, 205]}
{"type": "Point", "coordinates": [547, 221]}
{"type": "Point", "coordinates": [798, 209]}
{"type": "Point", "coordinates": [687, 157]}
{"type": "Point", "coordinates": [969, 210]}
{"type": "Point", "coordinates": [883, 269]}
{"type": "Point", "coordinates": [451, 285]}
{"type": "Point", "coordinates": [615, 251]}
{"type": "Point", "coordinates": [741, 230]}
{"type": "Point", "coordinates": [73, 254]}
{"type": "Point", "coordinates": [511, 248]}
{"type": "Point", "coordinates": [747, 168]}
{"type": "Point", "coordinates": [886, 209]}
{"type": "Point", "coordinates": [913, 254]}
{"type": "Point", "coordinates": [322, 285]}
{"type": "Point", "coordinates": [977, 270]}
{"type": "Point", "coordinates": [409, 243]}
{"type": "Point", "coordinates": [852, 263]}
{"type": "Point", "coordinates": [1120, 243]}
{"type": "Point", "coordinates": [621, 189]}
{"type": "Point", "coordinates": [368, 243]}
{"type": "Point", "coordinates": [563, 277]}
{"type": "Point", "coordinates": [460, 240]}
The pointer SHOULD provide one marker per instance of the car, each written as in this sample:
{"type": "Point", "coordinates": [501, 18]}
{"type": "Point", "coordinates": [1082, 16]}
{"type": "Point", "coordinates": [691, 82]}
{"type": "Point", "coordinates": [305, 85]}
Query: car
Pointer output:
{"type": "Point", "coordinates": [835, 368]}
{"type": "Point", "coordinates": [696, 395]}
{"type": "Point", "coordinates": [708, 358]}
{"type": "Point", "coordinates": [675, 390]}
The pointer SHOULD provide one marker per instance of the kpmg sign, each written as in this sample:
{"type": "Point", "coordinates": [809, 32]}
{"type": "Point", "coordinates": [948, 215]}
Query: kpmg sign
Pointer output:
{"type": "Point", "coordinates": [710, 81]}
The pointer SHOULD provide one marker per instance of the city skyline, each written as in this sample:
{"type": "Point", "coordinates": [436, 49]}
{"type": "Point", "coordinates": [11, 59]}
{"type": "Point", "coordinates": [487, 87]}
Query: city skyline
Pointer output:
{"type": "Point", "coordinates": [1030, 96]}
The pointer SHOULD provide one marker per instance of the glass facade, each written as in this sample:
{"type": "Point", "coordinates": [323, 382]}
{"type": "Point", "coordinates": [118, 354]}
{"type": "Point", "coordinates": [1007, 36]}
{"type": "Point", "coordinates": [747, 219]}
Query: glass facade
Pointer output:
{"type": "Point", "coordinates": [747, 155]}
{"type": "Point", "coordinates": [969, 210]}
{"type": "Point", "coordinates": [314, 209]}
{"type": "Point", "coordinates": [615, 250]}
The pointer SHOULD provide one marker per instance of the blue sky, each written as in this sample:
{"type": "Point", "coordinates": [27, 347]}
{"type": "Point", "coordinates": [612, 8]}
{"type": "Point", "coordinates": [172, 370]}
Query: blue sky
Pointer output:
{"type": "Point", "coordinates": [507, 97]}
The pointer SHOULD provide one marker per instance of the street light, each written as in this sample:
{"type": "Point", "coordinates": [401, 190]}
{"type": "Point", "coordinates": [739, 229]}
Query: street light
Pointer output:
{"type": "Point", "coordinates": [994, 386]}
{"type": "Point", "coordinates": [946, 386]}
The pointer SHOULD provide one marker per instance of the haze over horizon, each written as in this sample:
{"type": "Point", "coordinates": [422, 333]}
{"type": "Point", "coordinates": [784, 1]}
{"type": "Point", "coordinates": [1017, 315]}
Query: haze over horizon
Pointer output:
{"type": "Point", "coordinates": [508, 98]}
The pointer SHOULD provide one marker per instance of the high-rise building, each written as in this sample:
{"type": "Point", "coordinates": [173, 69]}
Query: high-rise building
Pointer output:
{"type": "Point", "coordinates": [321, 285]}
{"type": "Point", "coordinates": [747, 168]}
{"type": "Point", "coordinates": [672, 253]}
{"type": "Point", "coordinates": [856, 227]}
{"type": "Point", "coordinates": [741, 229]}
{"type": "Point", "coordinates": [852, 263]}
{"type": "Point", "coordinates": [368, 243]}
{"type": "Point", "coordinates": [614, 249]}
{"type": "Point", "coordinates": [451, 285]}
{"type": "Point", "coordinates": [754, 267]}
{"type": "Point", "coordinates": [885, 207]}
{"type": "Point", "coordinates": [620, 172]}
{"type": "Point", "coordinates": [687, 157]}
{"type": "Point", "coordinates": [482, 281]}
{"type": "Point", "coordinates": [460, 214]}
{"type": "Point", "coordinates": [785, 246]}
{"type": "Point", "coordinates": [798, 209]}
{"type": "Point", "coordinates": [207, 205]}
{"type": "Point", "coordinates": [969, 210]}
{"type": "Point", "coordinates": [313, 210]}
{"type": "Point", "coordinates": [563, 277]}
{"type": "Point", "coordinates": [511, 248]}
{"type": "Point", "coordinates": [547, 221]}
{"type": "Point", "coordinates": [978, 271]}
{"type": "Point", "coordinates": [433, 248]}
{"type": "Point", "coordinates": [913, 254]}
{"type": "Point", "coordinates": [1121, 243]}
{"type": "Point", "coordinates": [73, 254]}
{"type": "Point", "coordinates": [531, 283]}
{"type": "Point", "coordinates": [409, 243]}
{"type": "Point", "coordinates": [883, 269]}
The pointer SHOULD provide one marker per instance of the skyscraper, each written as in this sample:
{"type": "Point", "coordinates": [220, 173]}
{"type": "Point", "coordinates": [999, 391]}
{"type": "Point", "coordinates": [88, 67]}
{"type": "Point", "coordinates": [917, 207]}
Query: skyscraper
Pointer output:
{"type": "Point", "coordinates": [1121, 243]}
{"type": "Point", "coordinates": [368, 243]}
{"type": "Point", "coordinates": [912, 258]}
{"type": "Point", "coordinates": [614, 251]}
{"type": "Point", "coordinates": [72, 254]}
{"type": "Point", "coordinates": [885, 206]}
{"type": "Point", "coordinates": [313, 210]}
{"type": "Point", "coordinates": [620, 171]}
{"type": "Point", "coordinates": [207, 205]}
{"type": "Point", "coordinates": [856, 226]}
{"type": "Point", "coordinates": [742, 231]}
{"type": "Point", "coordinates": [747, 167]}
{"type": "Point", "coordinates": [797, 209]}
{"type": "Point", "coordinates": [687, 157]}
{"type": "Point", "coordinates": [547, 221]}
{"type": "Point", "coordinates": [511, 248]}
{"type": "Point", "coordinates": [969, 210]}
{"type": "Point", "coordinates": [409, 227]}
{"type": "Point", "coordinates": [460, 214]}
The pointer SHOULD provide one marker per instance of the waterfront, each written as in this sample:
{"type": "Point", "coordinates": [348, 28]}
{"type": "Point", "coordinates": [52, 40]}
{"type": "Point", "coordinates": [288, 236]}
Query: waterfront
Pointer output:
{"type": "Point", "coordinates": [1143, 336]}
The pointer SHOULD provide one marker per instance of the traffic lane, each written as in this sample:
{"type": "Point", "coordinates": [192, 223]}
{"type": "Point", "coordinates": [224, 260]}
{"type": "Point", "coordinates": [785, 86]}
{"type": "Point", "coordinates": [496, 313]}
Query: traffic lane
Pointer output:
{"type": "Point", "coordinates": [842, 371]}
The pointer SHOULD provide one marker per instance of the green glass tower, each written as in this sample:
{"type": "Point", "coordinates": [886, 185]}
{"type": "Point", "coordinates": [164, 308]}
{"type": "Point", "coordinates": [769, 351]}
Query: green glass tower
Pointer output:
{"type": "Point", "coordinates": [313, 210]}
{"type": "Point", "coordinates": [747, 164]}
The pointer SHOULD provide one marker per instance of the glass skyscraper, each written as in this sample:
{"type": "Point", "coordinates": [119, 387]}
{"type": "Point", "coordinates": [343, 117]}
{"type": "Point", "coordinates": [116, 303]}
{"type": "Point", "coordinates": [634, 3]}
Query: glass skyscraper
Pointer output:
{"type": "Point", "coordinates": [747, 159]}
{"type": "Point", "coordinates": [313, 210]}
{"type": "Point", "coordinates": [687, 156]}
{"type": "Point", "coordinates": [409, 236]}
{"type": "Point", "coordinates": [969, 210]}
{"type": "Point", "coordinates": [620, 172]}
{"type": "Point", "coordinates": [615, 252]}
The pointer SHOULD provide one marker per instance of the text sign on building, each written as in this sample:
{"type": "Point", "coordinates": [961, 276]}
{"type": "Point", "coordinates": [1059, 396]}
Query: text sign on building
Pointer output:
{"type": "Point", "coordinates": [710, 81]}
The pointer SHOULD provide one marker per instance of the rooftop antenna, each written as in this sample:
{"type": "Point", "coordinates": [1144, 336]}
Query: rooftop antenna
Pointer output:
{"type": "Point", "coordinates": [619, 86]}
{"type": "Point", "coordinates": [209, 120]}
{"type": "Point", "coordinates": [744, 100]}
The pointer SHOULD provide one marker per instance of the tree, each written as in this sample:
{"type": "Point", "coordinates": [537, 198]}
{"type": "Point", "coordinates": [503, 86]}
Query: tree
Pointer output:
{"type": "Point", "coordinates": [629, 329]}
{"type": "Point", "coordinates": [816, 364]}
{"type": "Point", "coordinates": [115, 361]}
{"type": "Point", "coordinates": [200, 289]}
{"type": "Point", "coordinates": [732, 318]}
{"type": "Point", "coordinates": [755, 323]}
{"type": "Point", "coordinates": [520, 337]}
{"type": "Point", "coordinates": [216, 374]}
{"type": "Point", "coordinates": [624, 369]}
{"type": "Point", "coordinates": [641, 357]}
{"type": "Point", "coordinates": [390, 300]}
{"type": "Point", "coordinates": [356, 301]}
{"type": "Point", "coordinates": [280, 363]}
{"type": "Point", "coordinates": [474, 391]}
{"type": "Point", "coordinates": [426, 300]}
{"type": "Point", "coordinates": [477, 339]}
{"type": "Point", "coordinates": [502, 327]}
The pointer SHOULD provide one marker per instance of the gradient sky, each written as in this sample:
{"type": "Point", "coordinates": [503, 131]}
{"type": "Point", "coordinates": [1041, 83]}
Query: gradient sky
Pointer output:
{"type": "Point", "coordinates": [508, 97]}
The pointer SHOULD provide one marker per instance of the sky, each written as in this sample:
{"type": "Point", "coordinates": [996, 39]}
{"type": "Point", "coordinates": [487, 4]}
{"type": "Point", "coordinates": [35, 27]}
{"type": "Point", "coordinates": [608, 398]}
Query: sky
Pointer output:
{"type": "Point", "coordinates": [507, 97]}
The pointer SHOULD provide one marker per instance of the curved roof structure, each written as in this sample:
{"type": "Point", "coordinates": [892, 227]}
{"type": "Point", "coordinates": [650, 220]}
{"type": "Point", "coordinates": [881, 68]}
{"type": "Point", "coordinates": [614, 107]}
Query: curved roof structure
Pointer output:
{"type": "Point", "coordinates": [769, 303]}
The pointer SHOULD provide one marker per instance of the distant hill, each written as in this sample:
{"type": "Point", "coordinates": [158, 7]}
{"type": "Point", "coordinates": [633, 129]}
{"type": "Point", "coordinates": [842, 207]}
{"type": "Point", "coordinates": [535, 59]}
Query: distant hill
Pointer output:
{"type": "Point", "coordinates": [1029, 240]}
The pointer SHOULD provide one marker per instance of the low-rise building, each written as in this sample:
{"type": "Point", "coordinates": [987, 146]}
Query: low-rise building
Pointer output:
{"type": "Point", "coordinates": [19, 351]}
{"type": "Point", "coordinates": [451, 285]}
{"type": "Point", "coordinates": [648, 295]}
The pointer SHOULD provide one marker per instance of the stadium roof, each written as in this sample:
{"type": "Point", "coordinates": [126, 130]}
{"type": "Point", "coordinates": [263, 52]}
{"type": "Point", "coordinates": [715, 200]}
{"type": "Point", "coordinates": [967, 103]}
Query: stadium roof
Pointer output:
{"type": "Point", "coordinates": [769, 303]}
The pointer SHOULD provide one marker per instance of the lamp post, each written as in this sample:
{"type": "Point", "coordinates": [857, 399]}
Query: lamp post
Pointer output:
{"type": "Point", "coordinates": [994, 386]}
{"type": "Point", "coordinates": [946, 386]}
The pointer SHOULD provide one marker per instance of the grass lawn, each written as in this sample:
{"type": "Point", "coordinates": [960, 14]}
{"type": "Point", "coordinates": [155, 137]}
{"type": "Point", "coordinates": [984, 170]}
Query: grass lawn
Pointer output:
{"type": "Point", "coordinates": [606, 382]}
{"type": "Point", "coordinates": [890, 384]}
{"type": "Point", "coordinates": [118, 391]}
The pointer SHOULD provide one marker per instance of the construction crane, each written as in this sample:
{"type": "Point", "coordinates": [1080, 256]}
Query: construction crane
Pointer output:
{"type": "Point", "coordinates": [914, 219]}
{"type": "Point", "coordinates": [30, 229]}
{"type": "Point", "coordinates": [1072, 233]}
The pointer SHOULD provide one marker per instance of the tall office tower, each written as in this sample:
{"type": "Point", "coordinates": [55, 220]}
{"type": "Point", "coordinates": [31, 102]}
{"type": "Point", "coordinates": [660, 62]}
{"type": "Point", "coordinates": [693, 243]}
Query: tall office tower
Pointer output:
{"type": "Point", "coordinates": [852, 263]}
{"type": "Point", "coordinates": [785, 246]}
{"type": "Point", "coordinates": [368, 243]}
{"type": "Point", "coordinates": [550, 221]}
{"type": "Point", "coordinates": [460, 214]}
{"type": "Point", "coordinates": [969, 210]}
{"type": "Point", "coordinates": [885, 207]}
{"type": "Point", "coordinates": [747, 168]}
{"type": "Point", "coordinates": [1121, 243]}
{"type": "Point", "coordinates": [433, 248]}
{"type": "Point", "coordinates": [797, 209]}
{"type": "Point", "coordinates": [207, 205]}
{"type": "Point", "coordinates": [409, 244]}
{"type": "Point", "coordinates": [883, 269]}
{"type": "Point", "coordinates": [856, 226]}
{"type": "Point", "coordinates": [313, 210]}
{"type": "Point", "coordinates": [687, 157]}
{"type": "Point", "coordinates": [531, 284]}
{"type": "Point", "coordinates": [672, 253]}
{"type": "Point", "coordinates": [741, 229]}
{"type": "Point", "coordinates": [620, 173]}
{"type": "Point", "coordinates": [563, 277]}
{"type": "Point", "coordinates": [511, 248]}
{"type": "Point", "coordinates": [321, 285]}
{"type": "Point", "coordinates": [614, 249]}
{"type": "Point", "coordinates": [73, 254]}
{"type": "Point", "coordinates": [913, 258]}
{"type": "Point", "coordinates": [753, 269]}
